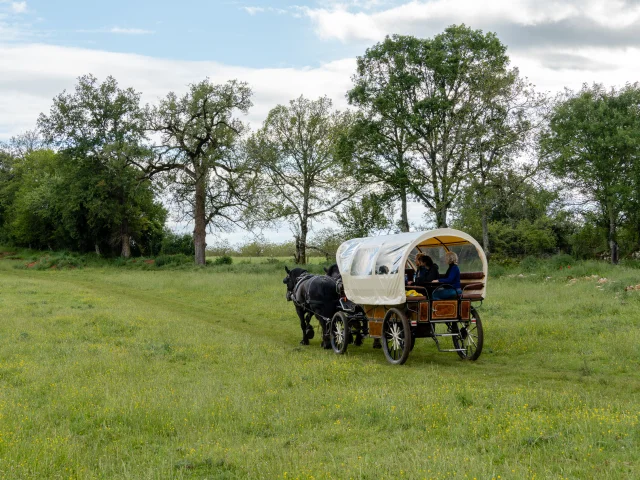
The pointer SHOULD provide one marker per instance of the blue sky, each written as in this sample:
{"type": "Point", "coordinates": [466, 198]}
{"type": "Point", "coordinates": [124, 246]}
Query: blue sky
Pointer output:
{"type": "Point", "coordinates": [258, 34]}
{"type": "Point", "coordinates": [288, 48]}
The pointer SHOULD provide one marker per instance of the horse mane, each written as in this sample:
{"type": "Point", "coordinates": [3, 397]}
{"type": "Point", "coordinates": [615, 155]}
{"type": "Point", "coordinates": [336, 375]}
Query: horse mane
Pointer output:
{"type": "Point", "coordinates": [333, 271]}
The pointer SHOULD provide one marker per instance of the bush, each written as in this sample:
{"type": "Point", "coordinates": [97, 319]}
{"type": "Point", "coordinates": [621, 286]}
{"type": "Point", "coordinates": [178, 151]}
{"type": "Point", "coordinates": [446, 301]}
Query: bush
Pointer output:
{"type": "Point", "coordinates": [179, 259]}
{"type": "Point", "coordinates": [503, 261]}
{"type": "Point", "coordinates": [56, 261]}
{"type": "Point", "coordinates": [174, 244]}
{"type": "Point", "coordinates": [562, 261]}
{"type": "Point", "coordinates": [496, 271]}
{"type": "Point", "coordinates": [589, 241]}
{"type": "Point", "coordinates": [529, 263]}
{"type": "Point", "coordinates": [223, 260]}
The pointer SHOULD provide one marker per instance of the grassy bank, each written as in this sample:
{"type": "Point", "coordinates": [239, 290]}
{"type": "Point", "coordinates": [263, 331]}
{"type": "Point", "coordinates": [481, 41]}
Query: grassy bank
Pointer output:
{"type": "Point", "coordinates": [38, 260]}
{"type": "Point", "coordinates": [149, 373]}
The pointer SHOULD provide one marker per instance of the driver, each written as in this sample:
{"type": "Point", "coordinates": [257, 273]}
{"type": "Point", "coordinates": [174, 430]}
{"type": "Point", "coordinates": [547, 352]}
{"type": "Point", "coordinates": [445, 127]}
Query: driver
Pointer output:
{"type": "Point", "coordinates": [427, 270]}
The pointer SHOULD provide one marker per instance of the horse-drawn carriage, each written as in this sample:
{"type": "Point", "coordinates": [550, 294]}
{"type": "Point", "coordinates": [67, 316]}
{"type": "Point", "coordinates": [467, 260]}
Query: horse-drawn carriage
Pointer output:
{"type": "Point", "coordinates": [376, 302]}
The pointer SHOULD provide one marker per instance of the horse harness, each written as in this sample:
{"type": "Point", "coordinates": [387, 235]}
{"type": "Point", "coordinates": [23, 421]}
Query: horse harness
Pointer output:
{"type": "Point", "coordinates": [308, 304]}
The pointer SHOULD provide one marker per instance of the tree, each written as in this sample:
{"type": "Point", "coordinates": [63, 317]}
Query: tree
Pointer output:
{"type": "Point", "coordinates": [32, 215]}
{"type": "Point", "coordinates": [7, 187]}
{"type": "Point", "coordinates": [507, 130]}
{"type": "Point", "coordinates": [436, 91]}
{"type": "Point", "coordinates": [377, 147]}
{"type": "Point", "coordinates": [365, 216]}
{"type": "Point", "coordinates": [205, 166]}
{"type": "Point", "coordinates": [297, 149]}
{"type": "Point", "coordinates": [100, 131]}
{"type": "Point", "coordinates": [25, 143]}
{"type": "Point", "coordinates": [520, 217]}
{"type": "Point", "coordinates": [592, 144]}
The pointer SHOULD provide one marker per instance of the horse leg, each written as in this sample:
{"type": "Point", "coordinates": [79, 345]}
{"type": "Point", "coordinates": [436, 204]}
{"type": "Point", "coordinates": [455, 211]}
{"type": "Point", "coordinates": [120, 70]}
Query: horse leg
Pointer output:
{"type": "Point", "coordinates": [326, 339]}
{"type": "Point", "coordinates": [308, 327]}
{"type": "Point", "coordinates": [303, 325]}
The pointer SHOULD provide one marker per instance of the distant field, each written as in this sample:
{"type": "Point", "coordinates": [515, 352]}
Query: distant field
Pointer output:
{"type": "Point", "coordinates": [148, 374]}
{"type": "Point", "coordinates": [312, 260]}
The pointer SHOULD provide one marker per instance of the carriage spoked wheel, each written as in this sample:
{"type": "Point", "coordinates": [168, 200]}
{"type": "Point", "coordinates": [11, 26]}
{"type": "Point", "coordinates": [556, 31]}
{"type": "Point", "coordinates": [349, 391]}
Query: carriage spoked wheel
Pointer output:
{"type": "Point", "coordinates": [339, 332]}
{"type": "Point", "coordinates": [396, 336]}
{"type": "Point", "coordinates": [470, 337]}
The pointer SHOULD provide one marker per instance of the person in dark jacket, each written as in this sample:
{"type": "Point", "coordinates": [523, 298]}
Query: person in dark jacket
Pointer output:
{"type": "Point", "coordinates": [452, 287]}
{"type": "Point", "coordinates": [427, 270]}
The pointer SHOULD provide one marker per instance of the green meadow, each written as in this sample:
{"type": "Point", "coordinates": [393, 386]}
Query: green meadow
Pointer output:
{"type": "Point", "coordinates": [124, 373]}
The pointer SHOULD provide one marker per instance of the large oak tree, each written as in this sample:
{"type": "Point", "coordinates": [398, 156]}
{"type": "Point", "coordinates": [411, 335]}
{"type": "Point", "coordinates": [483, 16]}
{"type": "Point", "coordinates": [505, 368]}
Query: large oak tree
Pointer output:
{"type": "Point", "coordinates": [200, 151]}
{"type": "Point", "coordinates": [435, 94]}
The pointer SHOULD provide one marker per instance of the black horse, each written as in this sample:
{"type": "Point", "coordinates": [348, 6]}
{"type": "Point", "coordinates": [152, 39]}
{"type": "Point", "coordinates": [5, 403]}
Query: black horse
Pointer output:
{"type": "Point", "coordinates": [317, 295]}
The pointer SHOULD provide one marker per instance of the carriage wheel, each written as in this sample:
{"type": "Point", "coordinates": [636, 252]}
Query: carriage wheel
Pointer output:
{"type": "Point", "coordinates": [471, 337]}
{"type": "Point", "coordinates": [396, 336]}
{"type": "Point", "coordinates": [339, 332]}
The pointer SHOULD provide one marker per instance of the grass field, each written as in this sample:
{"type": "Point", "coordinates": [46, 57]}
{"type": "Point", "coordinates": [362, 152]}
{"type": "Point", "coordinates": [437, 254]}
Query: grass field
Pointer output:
{"type": "Point", "coordinates": [260, 260]}
{"type": "Point", "coordinates": [114, 373]}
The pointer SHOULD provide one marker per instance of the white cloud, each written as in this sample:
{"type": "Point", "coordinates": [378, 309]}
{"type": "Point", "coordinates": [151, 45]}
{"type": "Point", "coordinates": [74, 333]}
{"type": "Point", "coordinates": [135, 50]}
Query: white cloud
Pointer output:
{"type": "Point", "coordinates": [18, 7]}
{"type": "Point", "coordinates": [344, 25]}
{"type": "Point", "coordinates": [12, 26]}
{"type": "Point", "coordinates": [33, 74]}
{"type": "Point", "coordinates": [253, 10]}
{"type": "Point", "coordinates": [555, 18]}
{"type": "Point", "coordinates": [130, 31]}
{"type": "Point", "coordinates": [118, 31]}
{"type": "Point", "coordinates": [14, 7]}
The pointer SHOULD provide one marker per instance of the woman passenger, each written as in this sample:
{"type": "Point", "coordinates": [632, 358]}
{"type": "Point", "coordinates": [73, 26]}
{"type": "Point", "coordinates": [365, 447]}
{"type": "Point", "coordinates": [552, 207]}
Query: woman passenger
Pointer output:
{"type": "Point", "coordinates": [451, 279]}
{"type": "Point", "coordinates": [427, 270]}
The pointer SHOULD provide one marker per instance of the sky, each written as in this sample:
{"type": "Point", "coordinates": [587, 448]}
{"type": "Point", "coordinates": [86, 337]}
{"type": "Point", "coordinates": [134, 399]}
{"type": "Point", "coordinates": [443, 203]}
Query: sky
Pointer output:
{"type": "Point", "coordinates": [287, 48]}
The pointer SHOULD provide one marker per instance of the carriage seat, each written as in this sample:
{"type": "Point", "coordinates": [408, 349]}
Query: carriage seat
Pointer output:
{"type": "Point", "coordinates": [472, 276]}
{"type": "Point", "coordinates": [417, 299]}
{"type": "Point", "coordinates": [472, 285]}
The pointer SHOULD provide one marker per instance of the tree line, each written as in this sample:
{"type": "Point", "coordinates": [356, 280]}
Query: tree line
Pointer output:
{"type": "Point", "coordinates": [445, 121]}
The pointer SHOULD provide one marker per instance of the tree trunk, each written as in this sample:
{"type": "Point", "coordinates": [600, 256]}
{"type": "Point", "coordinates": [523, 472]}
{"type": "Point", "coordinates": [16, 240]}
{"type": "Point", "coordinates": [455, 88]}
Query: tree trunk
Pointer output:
{"type": "Point", "coordinates": [301, 243]}
{"type": "Point", "coordinates": [441, 216]}
{"type": "Point", "coordinates": [613, 244]}
{"type": "Point", "coordinates": [485, 233]}
{"type": "Point", "coordinates": [404, 218]}
{"type": "Point", "coordinates": [126, 239]}
{"type": "Point", "coordinates": [200, 230]}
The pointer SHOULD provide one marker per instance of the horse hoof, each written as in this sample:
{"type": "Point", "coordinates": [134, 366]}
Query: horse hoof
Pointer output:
{"type": "Point", "coordinates": [376, 343]}
{"type": "Point", "coordinates": [304, 342]}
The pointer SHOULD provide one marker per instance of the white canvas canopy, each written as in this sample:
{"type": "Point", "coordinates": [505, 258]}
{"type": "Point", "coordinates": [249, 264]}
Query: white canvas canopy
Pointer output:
{"type": "Point", "coordinates": [373, 268]}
